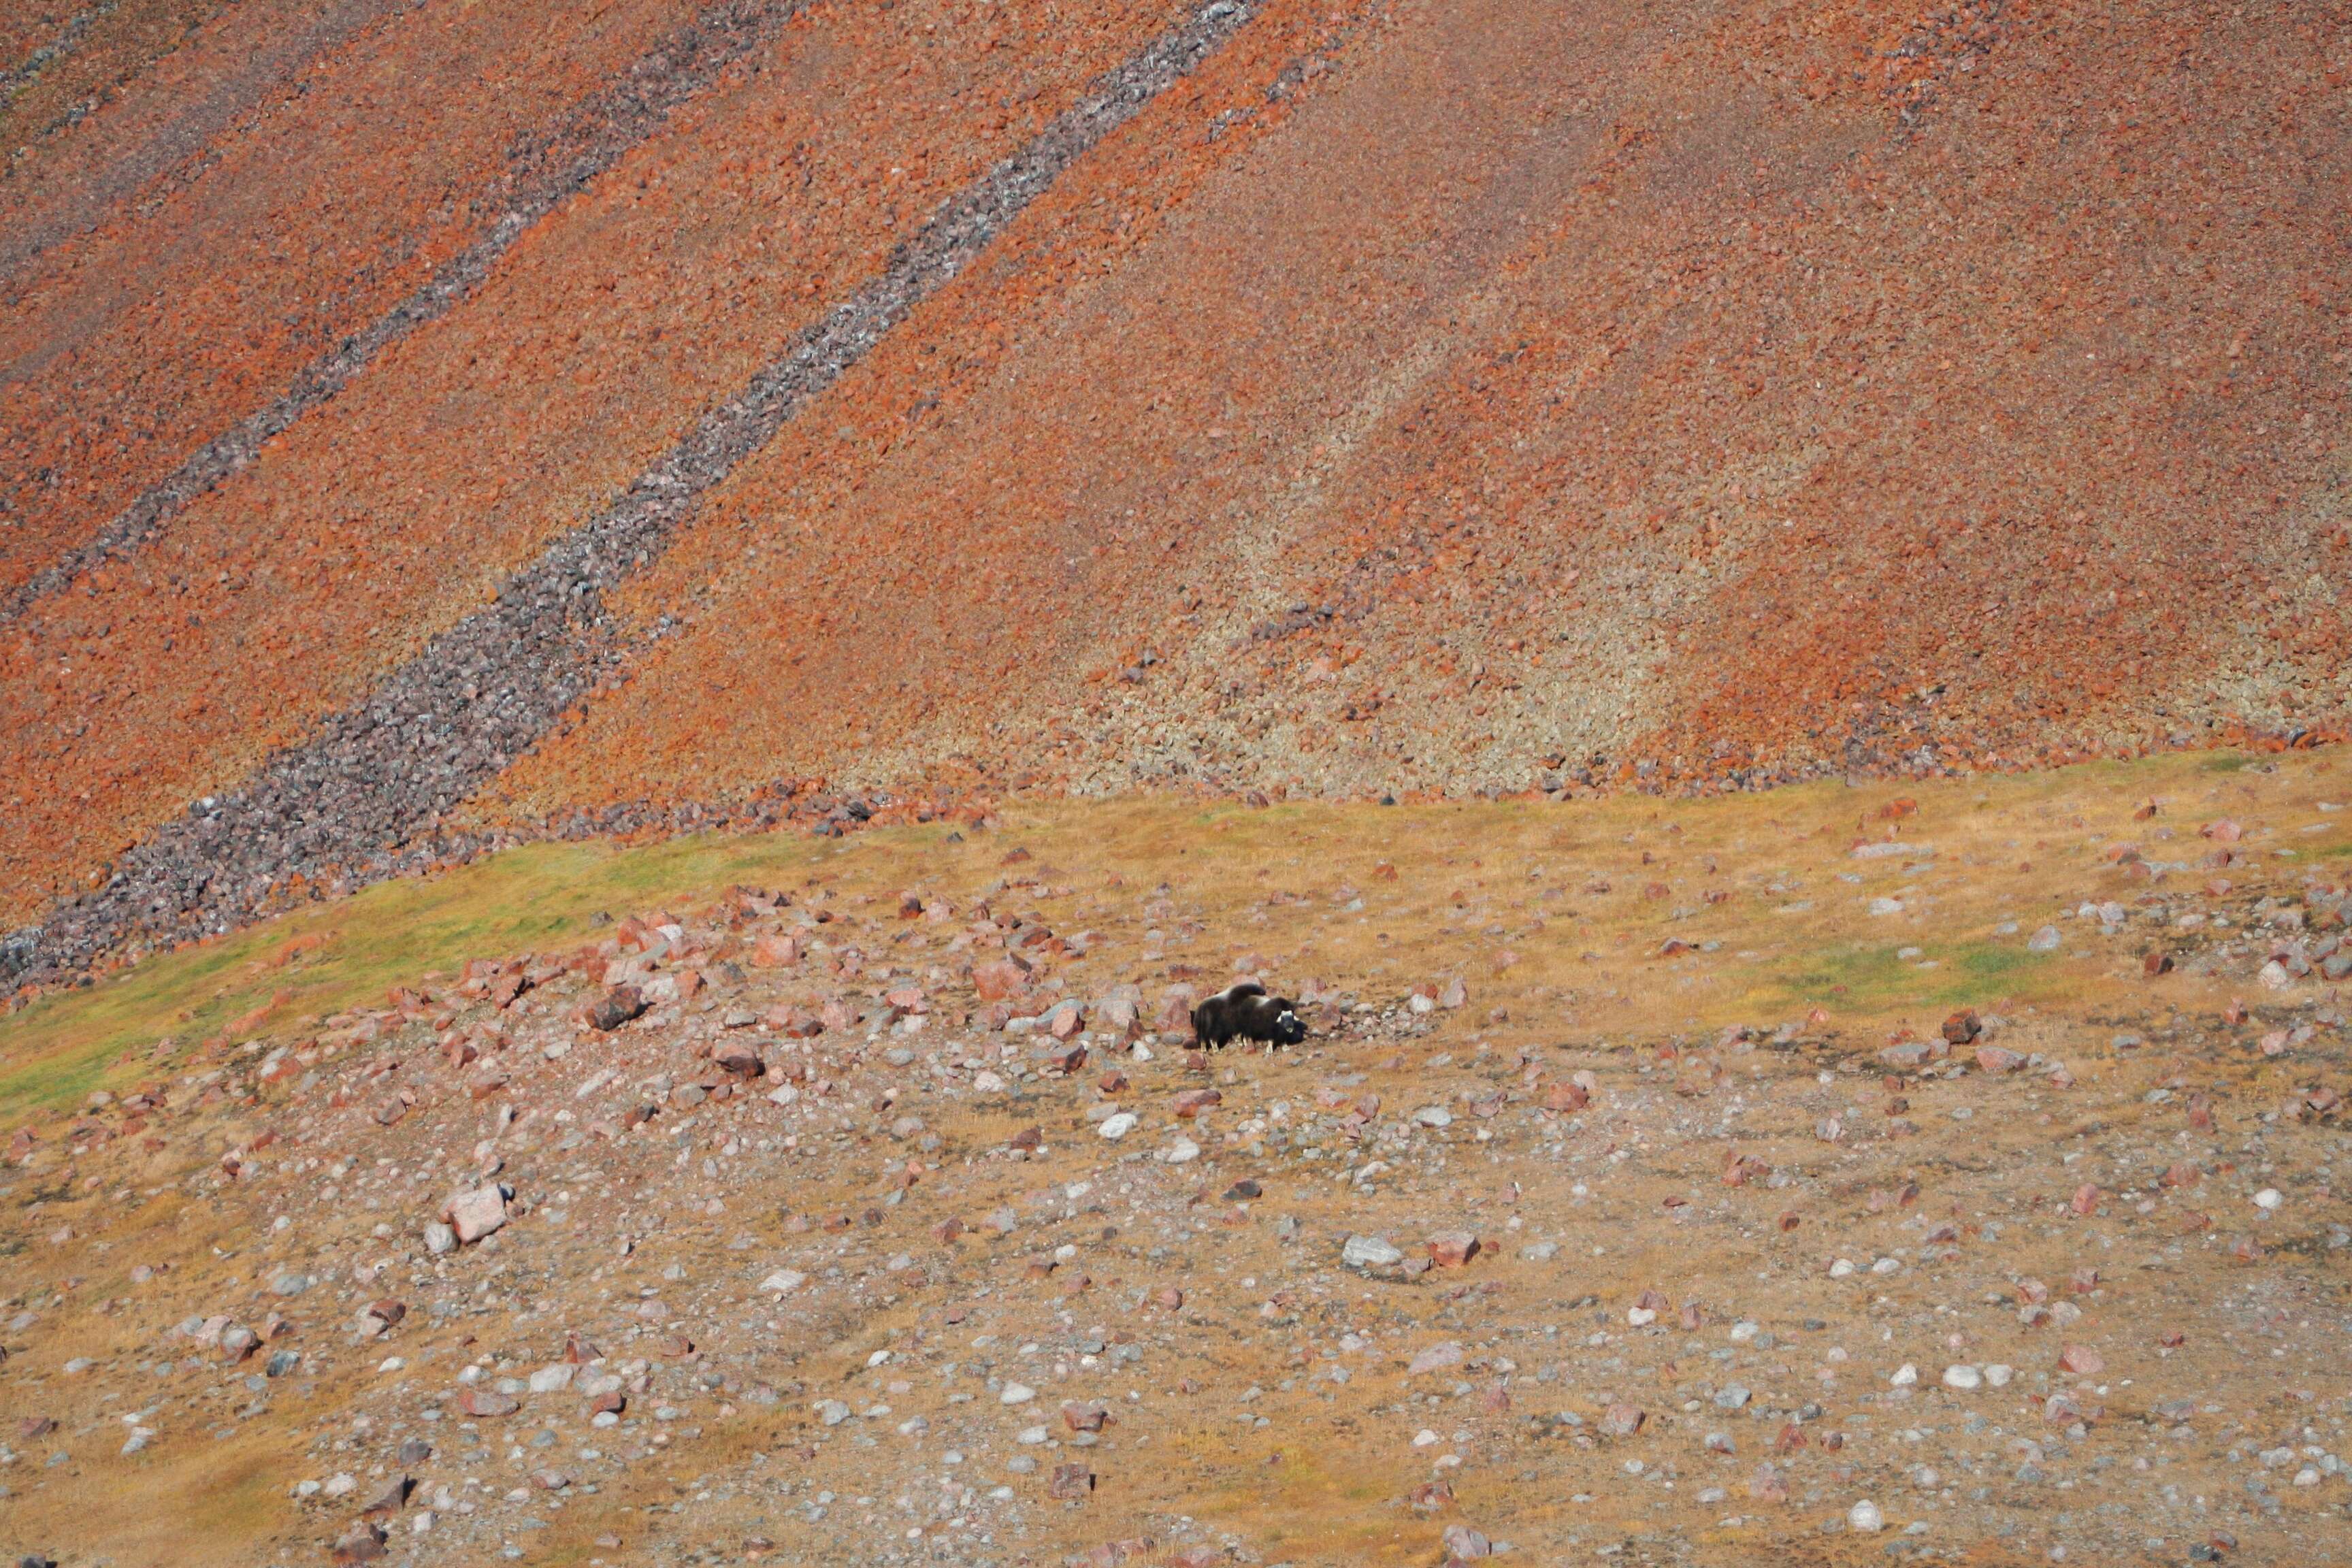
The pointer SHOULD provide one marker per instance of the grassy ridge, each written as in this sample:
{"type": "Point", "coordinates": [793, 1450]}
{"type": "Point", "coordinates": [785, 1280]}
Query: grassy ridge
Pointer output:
{"type": "Point", "coordinates": [1559, 913]}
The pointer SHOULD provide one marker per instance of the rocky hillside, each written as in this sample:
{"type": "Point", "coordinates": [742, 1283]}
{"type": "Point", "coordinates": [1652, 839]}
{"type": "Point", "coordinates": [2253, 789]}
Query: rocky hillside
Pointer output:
{"type": "Point", "coordinates": [417, 423]}
{"type": "Point", "coordinates": [1720, 1184]}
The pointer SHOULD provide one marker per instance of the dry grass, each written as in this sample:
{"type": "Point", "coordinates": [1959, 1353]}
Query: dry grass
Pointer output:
{"type": "Point", "coordinates": [1505, 895]}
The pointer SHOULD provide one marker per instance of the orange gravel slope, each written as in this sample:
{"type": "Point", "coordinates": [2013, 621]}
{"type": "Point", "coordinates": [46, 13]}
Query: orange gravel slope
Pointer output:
{"type": "Point", "coordinates": [1436, 395]}
{"type": "Point", "coordinates": [397, 507]}
{"type": "Point", "coordinates": [123, 348]}
{"type": "Point", "coordinates": [1674, 387]}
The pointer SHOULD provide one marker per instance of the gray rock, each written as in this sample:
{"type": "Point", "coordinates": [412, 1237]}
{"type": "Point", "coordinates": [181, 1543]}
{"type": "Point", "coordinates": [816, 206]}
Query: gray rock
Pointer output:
{"type": "Point", "coordinates": [1370, 1252]}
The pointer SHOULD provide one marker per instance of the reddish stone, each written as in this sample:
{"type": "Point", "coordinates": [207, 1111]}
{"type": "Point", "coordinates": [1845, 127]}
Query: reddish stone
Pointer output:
{"type": "Point", "coordinates": [616, 1007]}
{"type": "Point", "coordinates": [487, 1403]}
{"type": "Point", "coordinates": [998, 981]}
{"type": "Point", "coordinates": [776, 949]}
{"type": "Point", "coordinates": [1453, 1248]}
{"type": "Point", "coordinates": [1190, 1102]}
{"type": "Point", "coordinates": [739, 1060]}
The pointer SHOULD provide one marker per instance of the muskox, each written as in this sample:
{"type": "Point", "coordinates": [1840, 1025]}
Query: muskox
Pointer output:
{"type": "Point", "coordinates": [1243, 1011]}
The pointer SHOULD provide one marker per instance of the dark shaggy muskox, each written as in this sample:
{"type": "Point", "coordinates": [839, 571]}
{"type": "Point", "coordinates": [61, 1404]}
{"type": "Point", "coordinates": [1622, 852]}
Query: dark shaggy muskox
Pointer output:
{"type": "Point", "coordinates": [1243, 1011]}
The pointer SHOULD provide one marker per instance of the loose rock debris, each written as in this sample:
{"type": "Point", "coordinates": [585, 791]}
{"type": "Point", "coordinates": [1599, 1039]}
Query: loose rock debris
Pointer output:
{"type": "Point", "coordinates": [826, 1240]}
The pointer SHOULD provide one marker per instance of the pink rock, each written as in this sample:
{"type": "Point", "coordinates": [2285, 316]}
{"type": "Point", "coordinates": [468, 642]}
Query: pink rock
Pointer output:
{"type": "Point", "coordinates": [2082, 1361]}
{"type": "Point", "coordinates": [1444, 1354]}
{"type": "Point", "coordinates": [1190, 1102]}
{"type": "Point", "coordinates": [1997, 1059]}
{"type": "Point", "coordinates": [476, 1214]}
{"type": "Point", "coordinates": [1461, 1542]}
{"type": "Point", "coordinates": [1622, 1420]}
{"type": "Point", "coordinates": [1175, 1015]}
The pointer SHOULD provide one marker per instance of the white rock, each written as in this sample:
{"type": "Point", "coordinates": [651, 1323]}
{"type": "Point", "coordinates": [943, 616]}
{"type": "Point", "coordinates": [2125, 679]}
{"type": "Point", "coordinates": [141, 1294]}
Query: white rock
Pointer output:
{"type": "Point", "coordinates": [784, 1281]}
{"type": "Point", "coordinates": [1904, 1375]}
{"type": "Point", "coordinates": [1117, 1125]}
{"type": "Point", "coordinates": [1864, 1516]}
{"type": "Point", "coordinates": [1640, 1316]}
{"type": "Point", "coordinates": [1017, 1393]}
{"type": "Point", "coordinates": [2273, 975]}
{"type": "Point", "coordinates": [1433, 1116]}
{"type": "Point", "coordinates": [1888, 1265]}
{"type": "Point", "coordinates": [1369, 1252]}
{"type": "Point", "coordinates": [1891, 849]}
{"type": "Point", "coordinates": [832, 1412]}
{"type": "Point", "coordinates": [2046, 940]}
{"type": "Point", "coordinates": [339, 1485]}
{"type": "Point", "coordinates": [1843, 1268]}
{"type": "Point", "coordinates": [439, 1238]}
{"type": "Point", "coordinates": [1963, 1377]}
{"type": "Point", "coordinates": [1183, 1151]}
{"type": "Point", "coordinates": [986, 1082]}
{"type": "Point", "coordinates": [1998, 1373]}
{"type": "Point", "coordinates": [552, 1378]}
{"type": "Point", "coordinates": [2269, 1199]}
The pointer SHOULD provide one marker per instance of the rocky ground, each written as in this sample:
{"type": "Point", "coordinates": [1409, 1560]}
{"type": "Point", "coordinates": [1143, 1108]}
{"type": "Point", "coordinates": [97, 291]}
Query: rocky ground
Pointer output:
{"type": "Point", "coordinates": [1826, 1176]}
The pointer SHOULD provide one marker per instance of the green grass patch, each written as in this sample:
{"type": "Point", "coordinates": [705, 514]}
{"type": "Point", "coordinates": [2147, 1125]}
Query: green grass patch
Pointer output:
{"type": "Point", "coordinates": [305, 965]}
{"type": "Point", "coordinates": [1873, 978]}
